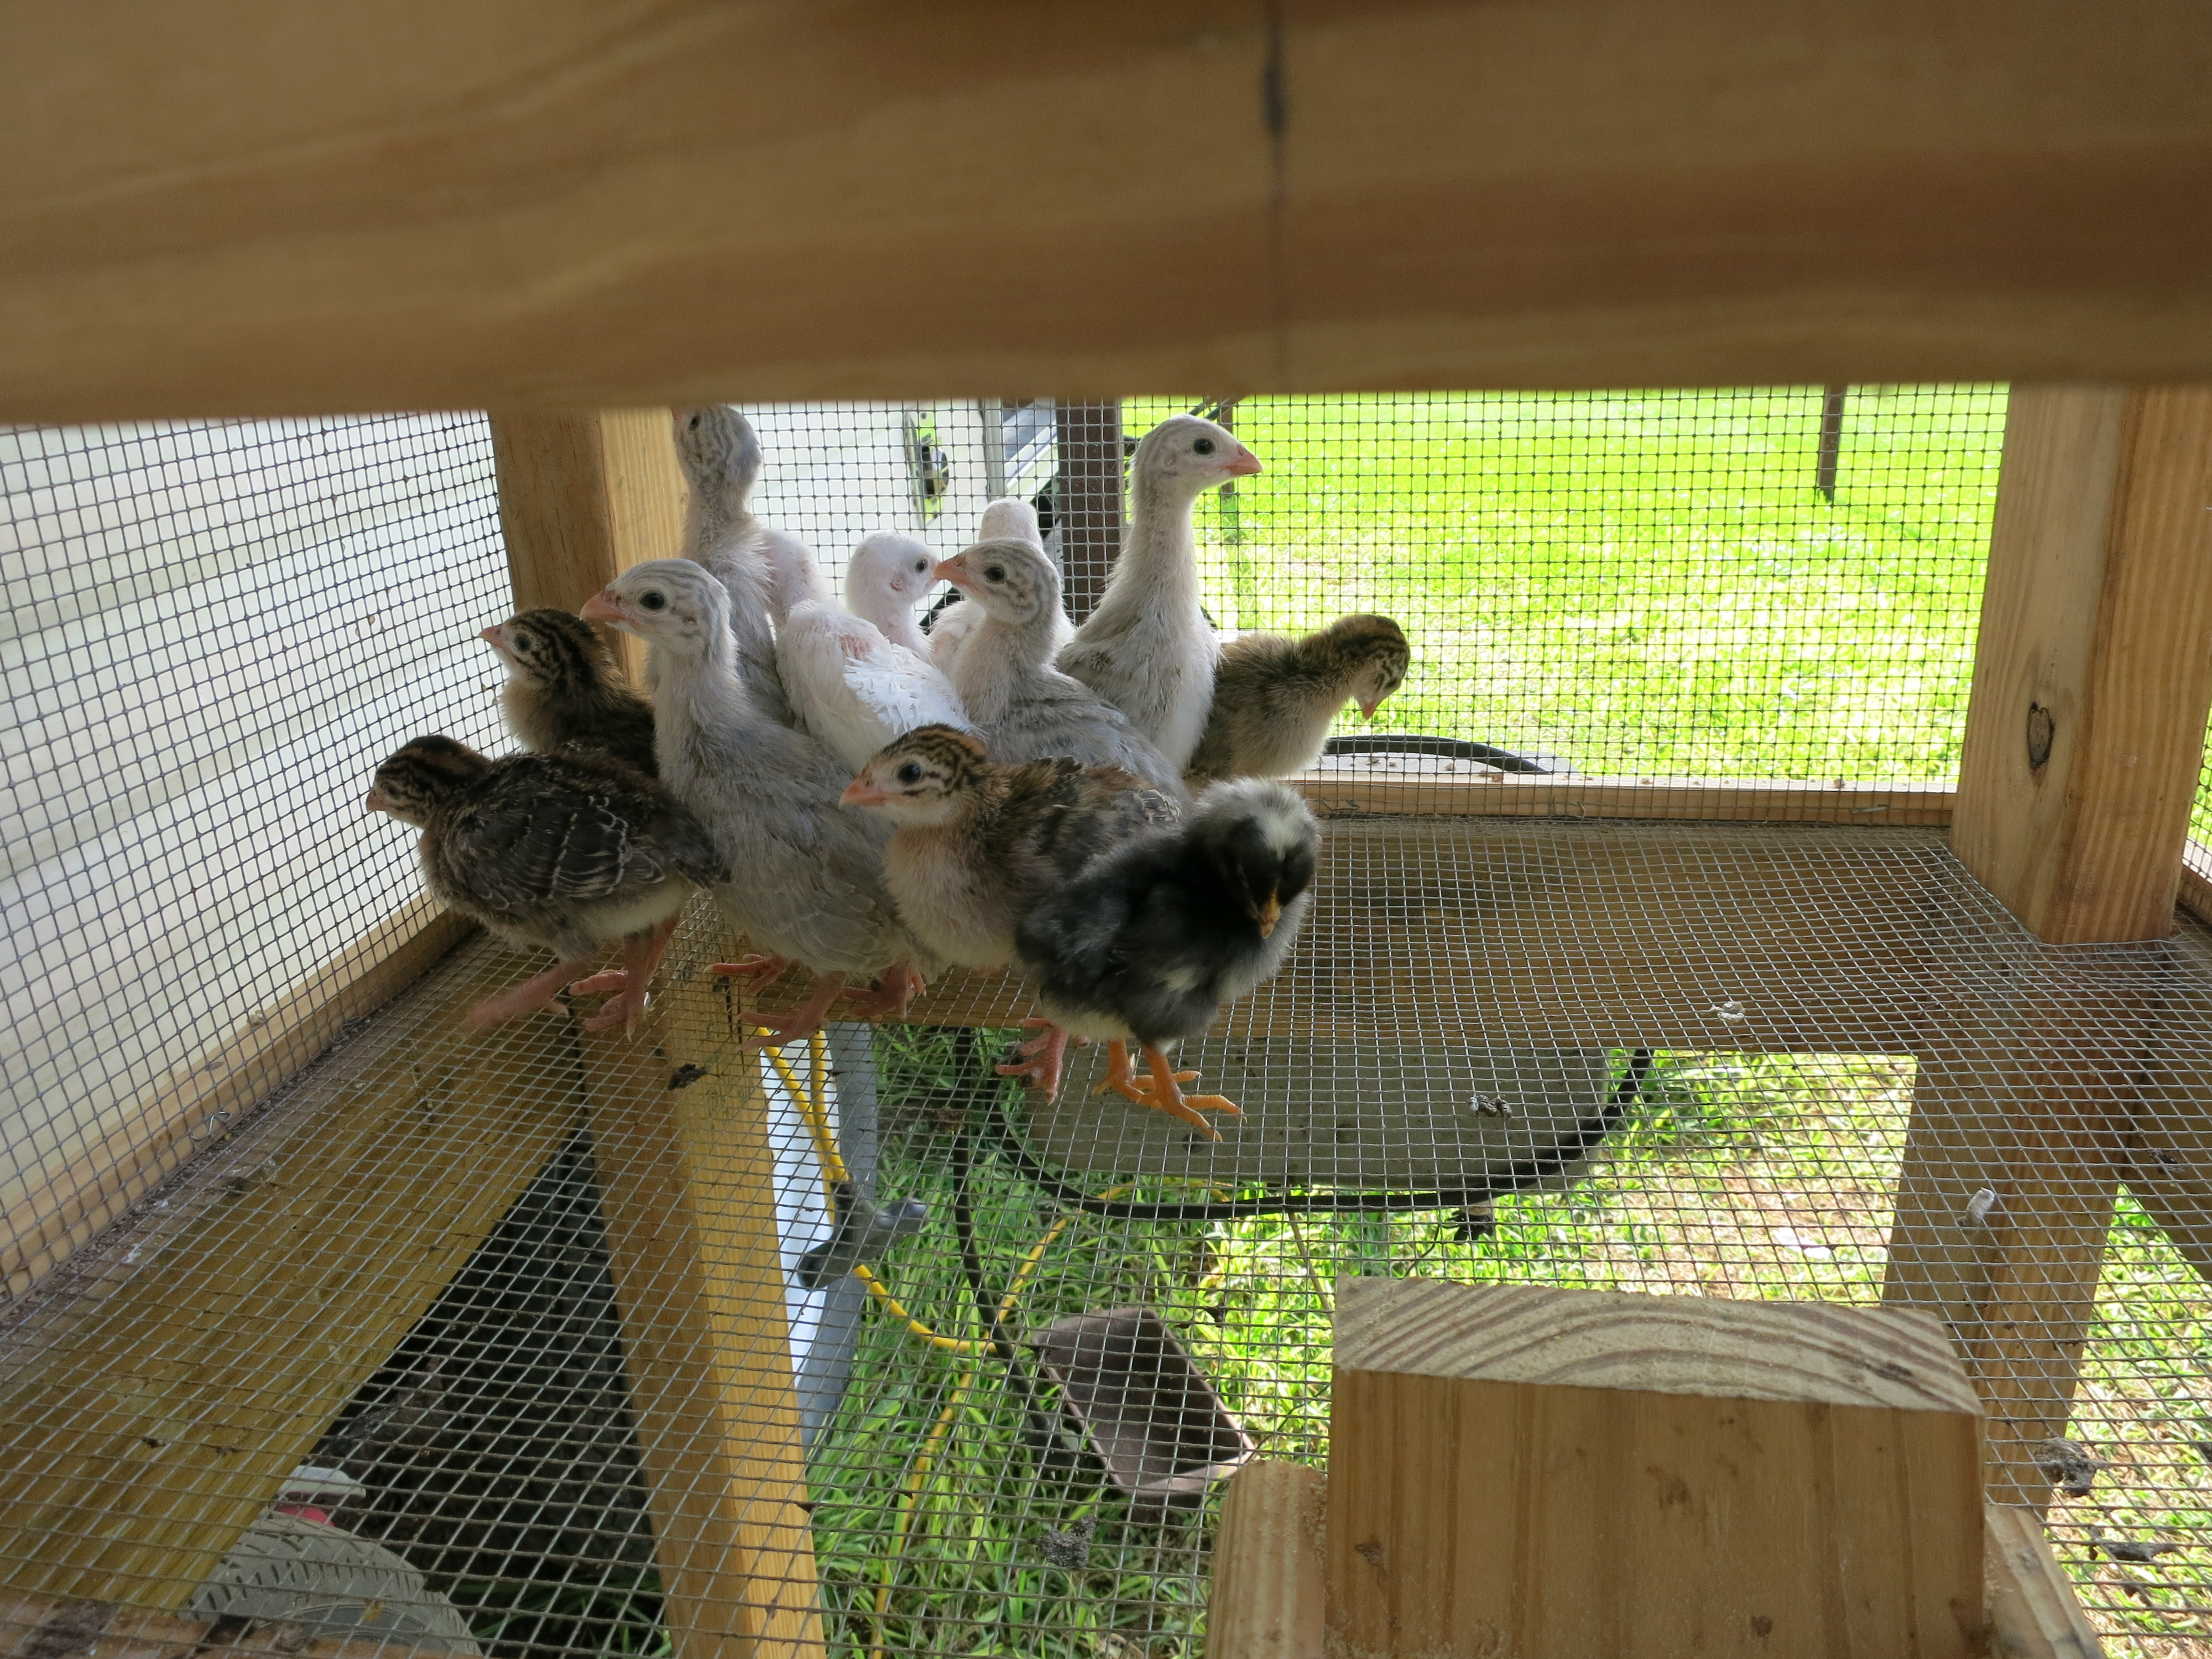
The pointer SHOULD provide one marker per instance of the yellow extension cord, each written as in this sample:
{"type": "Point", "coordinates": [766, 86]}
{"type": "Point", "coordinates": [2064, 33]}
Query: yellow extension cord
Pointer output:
{"type": "Point", "coordinates": [813, 1108]}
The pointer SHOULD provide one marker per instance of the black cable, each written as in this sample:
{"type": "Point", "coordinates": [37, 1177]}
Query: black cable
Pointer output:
{"type": "Point", "coordinates": [1413, 742]}
{"type": "Point", "coordinates": [1517, 1177]}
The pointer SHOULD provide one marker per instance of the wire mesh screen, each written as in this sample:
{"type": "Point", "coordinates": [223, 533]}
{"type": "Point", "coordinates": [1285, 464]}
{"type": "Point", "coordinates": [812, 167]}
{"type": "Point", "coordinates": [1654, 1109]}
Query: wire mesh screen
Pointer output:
{"type": "Point", "coordinates": [533, 1305]}
{"type": "Point", "coordinates": [206, 626]}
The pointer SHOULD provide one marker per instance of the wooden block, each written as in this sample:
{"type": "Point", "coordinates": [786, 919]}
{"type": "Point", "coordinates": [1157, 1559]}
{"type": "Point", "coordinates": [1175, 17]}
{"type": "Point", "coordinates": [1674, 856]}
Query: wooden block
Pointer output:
{"type": "Point", "coordinates": [687, 1182]}
{"type": "Point", "coordinates": [153, 1396]}
{"type": "Point", "coordinates": [1535, 1472]}
{"type": "Point", "coordinates": [281, 209]}
{"type": "Point", "coordinates": [2033, 1612]}
{"type": "Point", "coordinates": [42, 1228]}
{"type": "Point", "coordinates": [1266, 1600]}
{"type": "Point", "coordinates": [583, 495]}
{"type": "Point", "coordinates": [2093, 676]}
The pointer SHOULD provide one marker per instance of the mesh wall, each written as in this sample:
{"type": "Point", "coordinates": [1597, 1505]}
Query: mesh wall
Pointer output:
{"type": "Point", "coordinates": [466, 1269]}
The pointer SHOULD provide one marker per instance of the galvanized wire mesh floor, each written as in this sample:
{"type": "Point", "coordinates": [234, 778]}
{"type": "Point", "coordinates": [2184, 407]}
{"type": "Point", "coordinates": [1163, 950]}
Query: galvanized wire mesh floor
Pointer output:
{"type": "Point", "coordinates": [1418, 1087]}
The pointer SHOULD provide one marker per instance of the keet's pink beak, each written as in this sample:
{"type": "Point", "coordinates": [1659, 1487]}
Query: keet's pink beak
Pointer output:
{"type": "Point", "coordinates": [377, 801]}
{"type": "Point", "coordinates": [489, 636]}
{"type": "Point", "coordinates": [602, 607]}
{"type": "Point", "coordinates": [1367, 709]}
{"type": "Point", "coordinates": [863, 792]}
{"type": "Point", "coordinates": [1243, 463]}
{"type": "Point", "coordinates": [953, 571]}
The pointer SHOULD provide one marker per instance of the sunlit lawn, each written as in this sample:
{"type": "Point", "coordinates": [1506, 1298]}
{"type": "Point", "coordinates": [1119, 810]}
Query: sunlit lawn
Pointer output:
{"type": "Point", "coordinates": [1639, 582]}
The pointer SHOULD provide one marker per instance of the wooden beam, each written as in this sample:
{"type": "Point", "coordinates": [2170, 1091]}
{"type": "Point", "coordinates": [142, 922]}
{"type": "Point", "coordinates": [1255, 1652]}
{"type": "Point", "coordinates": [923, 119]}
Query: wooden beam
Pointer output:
{"type": "Point", "coordinates": [1555, 1473]}
{"type": "Point", "coordinates": [2168, 1139]}
{"type": "Point", "coordinates": [679, 1136]}
{"type": "Point", "coordinates": [1266, 1601]}
{"type": "Point", "coordinates": [2005, 1197]}
{"type": "Point", "coordinates": [2032, 1609]}
{"type": "Point", "coordinates": [1348, 787]}
{"type": "Point", "coordinates": [213, 1092]}
{"type": "Point", "coordinates": [47, 1627]}
{"type": "Point", "coordinates": [1672, 936]}
{"type": "Point", "coordinates": [265, 210]}
{"type": "Point", "coordinates": [2093, 678]}
{"type": "Point", "coordinates": [153, 1397]}
{"type": "Point", "coordinates": [583, 495]}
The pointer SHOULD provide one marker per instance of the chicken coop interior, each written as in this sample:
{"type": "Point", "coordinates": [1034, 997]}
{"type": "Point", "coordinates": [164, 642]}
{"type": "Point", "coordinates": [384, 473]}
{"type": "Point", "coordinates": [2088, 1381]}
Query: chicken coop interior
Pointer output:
{"type": "Point", "coordinates": [1781, 876]}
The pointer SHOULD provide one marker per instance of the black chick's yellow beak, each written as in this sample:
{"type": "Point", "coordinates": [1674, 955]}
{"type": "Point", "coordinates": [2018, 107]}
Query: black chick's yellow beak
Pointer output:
{"type": "Point", "coordinates": [1268, 915]}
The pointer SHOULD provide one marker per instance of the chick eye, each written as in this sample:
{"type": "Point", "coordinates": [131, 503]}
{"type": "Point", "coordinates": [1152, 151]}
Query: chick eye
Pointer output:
{"type": "Point", "coordinates": [694, 422]}
{"type": "Point", "coordinates": [996, 573]}
{"type": "Point", "coordinates": [1203, 446]}
{"type": "Point", "coordinates": [920, 565]}
{"type": "Point", "coordinates": [910, 773]}
{"type": "Point", "coordinates": [654, 601]}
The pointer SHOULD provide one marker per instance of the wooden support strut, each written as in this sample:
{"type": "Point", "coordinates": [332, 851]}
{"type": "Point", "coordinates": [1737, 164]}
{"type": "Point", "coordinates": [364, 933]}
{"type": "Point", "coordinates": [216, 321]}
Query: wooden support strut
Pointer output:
{"type": "Point", "coordinates": [154, 1399]}
{"type": "Point", "coordinates": [2093, 678]}
{"type": "Point", "coordinates": [679, 1136]}
{"type": "Point", "coordinates": [2092, 682]}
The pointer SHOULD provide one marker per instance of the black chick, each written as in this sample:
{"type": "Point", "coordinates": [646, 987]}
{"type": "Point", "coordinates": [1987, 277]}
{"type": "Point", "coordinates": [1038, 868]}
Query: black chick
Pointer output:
{"type": "Point", "coordinates": [564, 687]}
{"type": "Point", "coordinates": [568, 852]}
{"type": "Point", "coordinates": [1153, 936]}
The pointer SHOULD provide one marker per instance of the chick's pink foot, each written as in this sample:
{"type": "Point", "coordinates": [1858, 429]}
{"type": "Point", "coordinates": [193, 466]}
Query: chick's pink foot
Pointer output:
{"type": "Point", "coordinates": [761, 971]}
{"type": "Point", "coordinates": [641, 954]}
{"type": "Point", "coordinates": [533, 993]}
{"type": "Point", "coordinates": [888, 996]}
{"type": "Point", "coordinates": [1043, 1057]}
{"type": "Point", "coordinates": [804, 1020]}
{"type": "Point", "coordinates": [1160, 1088]}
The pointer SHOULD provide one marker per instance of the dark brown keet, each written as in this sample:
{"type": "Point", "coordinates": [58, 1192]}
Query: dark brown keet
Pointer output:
{"type": "Point", "coordinates": [564, 687]}
{"type": "Point", "coordinates": [574, 853]}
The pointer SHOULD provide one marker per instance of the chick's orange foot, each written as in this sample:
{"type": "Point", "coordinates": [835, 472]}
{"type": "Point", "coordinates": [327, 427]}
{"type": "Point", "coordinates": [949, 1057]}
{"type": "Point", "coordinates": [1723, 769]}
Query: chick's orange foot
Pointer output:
{"type": "Point", "coordinates": [1160, 1088]}
{"type": "Point", "coordinates": [1042, 1057]}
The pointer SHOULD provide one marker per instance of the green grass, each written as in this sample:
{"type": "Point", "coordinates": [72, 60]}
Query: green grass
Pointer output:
{"type": "Point", "coordinates": [1643, 583]}
{"type": "Point", "coordinates": [1740, 1175]}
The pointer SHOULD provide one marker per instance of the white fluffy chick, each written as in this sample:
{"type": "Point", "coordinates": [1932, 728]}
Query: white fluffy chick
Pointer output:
{"type": "Point", "coordinates": [1023, 708]}
{"type": "Point", "coordinates": [807, 876]}
{"type": "Point", "coordinates": [1147, 648]}
{"type": "Point", "coordinates": [1010, 515]}
{"type": "Point", "coordinates": [887, 575]}
{"type": "Point", "coordinates": [763, 569]}
{"type": "Point", "coordinates": [853, 688]}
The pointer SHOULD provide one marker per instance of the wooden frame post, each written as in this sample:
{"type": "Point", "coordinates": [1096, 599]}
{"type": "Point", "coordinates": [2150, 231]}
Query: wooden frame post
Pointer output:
{"type": "Point", "coordinates": [2092, 681]}
{"type": "Point", "coordinates": [583, 495]}
{"type": "Point", "coordinates": [2093, 678]}
{"type": "Point", "coordinates": [678, 1135]}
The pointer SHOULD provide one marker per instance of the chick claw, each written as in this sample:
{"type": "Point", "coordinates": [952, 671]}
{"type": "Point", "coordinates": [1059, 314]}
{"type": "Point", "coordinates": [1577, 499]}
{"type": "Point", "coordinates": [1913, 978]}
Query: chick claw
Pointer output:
{"type": "Point", "coordinates": [1043, 1057]}
{"type": "Point", "coordinates": [887, 998]}
{"type": "Point", "coordinates": [762, 971]}
{"type": "Point", "coordinates": [1159, 1088]}
{"type": "Point", "coordinates": [623, 1007]}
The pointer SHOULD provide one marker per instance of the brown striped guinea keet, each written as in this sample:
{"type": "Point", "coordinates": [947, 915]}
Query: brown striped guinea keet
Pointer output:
{"type": "Point", "coordinates": [976, 844]}
{"type": "Point", "coordinates": [563, 687]}
{"type": "Point", "coordinates": [573, 853]}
